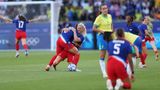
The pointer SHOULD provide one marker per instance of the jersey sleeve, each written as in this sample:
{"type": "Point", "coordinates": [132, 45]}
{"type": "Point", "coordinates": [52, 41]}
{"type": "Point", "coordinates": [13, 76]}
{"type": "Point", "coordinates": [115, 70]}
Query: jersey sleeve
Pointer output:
{"type": "Point", "coordinates": [97, 22]}
{"type": "Point", "coordinates": [14, 21]}
{"type": "Point", "coordinates": [136, 29]}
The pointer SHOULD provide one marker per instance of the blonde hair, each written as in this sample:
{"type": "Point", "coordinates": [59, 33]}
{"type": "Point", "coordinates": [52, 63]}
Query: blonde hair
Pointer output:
{"type": "Point", "coordinates": [84, 33]}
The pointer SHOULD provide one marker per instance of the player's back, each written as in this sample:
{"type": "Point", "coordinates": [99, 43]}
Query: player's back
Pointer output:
{"type": "Point", "coordinates": [119, 48]}
{"type": "Point", "coordinates": [20, 25]}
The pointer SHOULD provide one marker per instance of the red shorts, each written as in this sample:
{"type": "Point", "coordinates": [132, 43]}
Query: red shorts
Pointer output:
{"type": "Point", "coordinates": [62, 45]}
{"type": "Point", "coordinates": [116, 69]}
{"type": "Point", "coordinates": [20, 34]}
{"type": "Point", "coordinates": [149, 39]}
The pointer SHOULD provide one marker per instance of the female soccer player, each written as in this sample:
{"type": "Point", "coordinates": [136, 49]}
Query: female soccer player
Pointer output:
{"type": "Point", "coordinates": [20, 34]}
{"type": "Point", "coordinates": [151, 38]}
{"type": "Point", "coordinates": [103, 26]}
{"type": "Point", "coordinates": [64, 42]}
{"type": "Point", "coordinates": [119, 51]}
{"type": "Point", "coordinates": [131, 26]}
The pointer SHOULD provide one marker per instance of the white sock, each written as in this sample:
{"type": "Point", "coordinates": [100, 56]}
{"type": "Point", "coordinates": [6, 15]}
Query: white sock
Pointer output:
{"type": "Point", "coordinates": [109, 84]}
{"type": "Point", "coordinates": [134, 60]}
{"type": "Point", "coordinates": [103, 67]}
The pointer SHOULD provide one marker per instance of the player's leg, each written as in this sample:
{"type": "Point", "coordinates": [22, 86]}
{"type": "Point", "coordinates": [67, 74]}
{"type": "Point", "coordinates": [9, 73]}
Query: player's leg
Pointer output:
{"type": "Point", "coordinates": [59, 49]}
{"type": "Point", "coordinates": [123, 80]}
{"type": "Point", "coordinates": [17, 47]}
{"type": "Point", "coordinates": [17, 39]}
{"type": "Point", "coordinates": [152, 42]}
{"type": "Point", "coordinates": [73, 59]}
{"type": "Point", "coordinates": [111, 81]}
{"type": "Point", "coordinates": [24, 42]}
{"type": "Point", "coordinates": [102, 45]}
{"type": "Point", "coordinates": [143, 55]}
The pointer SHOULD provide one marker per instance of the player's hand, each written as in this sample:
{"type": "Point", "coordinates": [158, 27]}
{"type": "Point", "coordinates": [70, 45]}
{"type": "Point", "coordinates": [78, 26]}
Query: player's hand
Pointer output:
{"type": "Point", "coordinates": [72, 28]}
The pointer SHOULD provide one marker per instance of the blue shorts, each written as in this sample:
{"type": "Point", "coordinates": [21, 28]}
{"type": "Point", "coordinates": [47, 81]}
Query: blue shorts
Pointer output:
{"type": "Point", "coordinates": [138, 43]}
{"type": "Point", "coordinates": [102, 44]}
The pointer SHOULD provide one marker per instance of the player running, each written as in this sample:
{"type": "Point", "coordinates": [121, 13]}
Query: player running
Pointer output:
{"type": "Point", "coordinates": [103, 26]}
{"type": "Point", "coordinates": [119, 51]}
{"type": "Point", "coordinates": [20, 33]}
{"type": "Point", "coordinates": [64, 42]}
{"type": "Point", "coordinates": [151, 38]}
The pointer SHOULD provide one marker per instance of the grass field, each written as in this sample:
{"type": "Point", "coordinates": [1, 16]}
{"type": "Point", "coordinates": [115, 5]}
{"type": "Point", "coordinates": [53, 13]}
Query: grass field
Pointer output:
{"type": "Point", "coordinates": [27, 73]}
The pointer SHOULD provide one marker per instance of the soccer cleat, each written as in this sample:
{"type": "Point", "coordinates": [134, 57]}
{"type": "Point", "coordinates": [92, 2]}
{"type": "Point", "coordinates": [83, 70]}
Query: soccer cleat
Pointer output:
{"type": "Point", "coordinates": [26, 53]}
{"type": "Point", "coordinates": [47, 68]}
{"type": "Point", "coordinates": [156, 56]}
{"type": "Point", "coordinates": [109, 84]}
{"type": "Point", "coordinates": [17, 55]}
{"type": "Point", "coordinates": [54, 66]}
{"type": "Point", "coordinates": [119, 84]}
{"type": "Point", "coordinates": [78, 70]}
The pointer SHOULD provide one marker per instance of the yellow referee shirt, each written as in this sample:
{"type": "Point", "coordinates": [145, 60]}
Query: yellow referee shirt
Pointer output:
{"type": "Point", "coordinates": [104, 23]}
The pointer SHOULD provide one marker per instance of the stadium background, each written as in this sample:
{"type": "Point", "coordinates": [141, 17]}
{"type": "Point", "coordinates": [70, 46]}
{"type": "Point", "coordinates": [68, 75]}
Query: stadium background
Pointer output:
{"type": "Point", "coordinates": [73, 11]}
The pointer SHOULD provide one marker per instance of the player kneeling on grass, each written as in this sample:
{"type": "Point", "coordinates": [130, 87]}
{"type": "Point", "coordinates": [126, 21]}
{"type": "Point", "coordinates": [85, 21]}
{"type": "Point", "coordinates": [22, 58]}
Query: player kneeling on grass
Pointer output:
{"type": "Point", "coordinates": [64, 44]}
{"type": "Point", "coordinates": [119, 51]}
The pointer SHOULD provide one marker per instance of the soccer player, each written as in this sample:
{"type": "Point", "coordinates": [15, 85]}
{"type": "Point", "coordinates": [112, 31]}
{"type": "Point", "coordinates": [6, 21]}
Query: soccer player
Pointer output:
{"type": "Point", "coordinates": [20, 23]}
{"type": "Point", "coordinates": [119, 51]}
{"type": "Point", "coordinates": [131, 26]}
{"type": "Point", "coordinates": [144, 34]}
{"type": "Point", "coordinates": [103, 26]}
{"type": "Point", "coordinates": [64, 42]}
{"type": "Point", "coordinates": [151, 38]}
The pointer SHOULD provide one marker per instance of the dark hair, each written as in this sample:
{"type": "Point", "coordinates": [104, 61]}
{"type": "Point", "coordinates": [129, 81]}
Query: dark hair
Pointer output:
{"type": "Point", "coordinates": [131, 18]}
{"type": "Point", "coordinates": [120, 32]}
{"type": "Point", "coordinates": [21, 17]}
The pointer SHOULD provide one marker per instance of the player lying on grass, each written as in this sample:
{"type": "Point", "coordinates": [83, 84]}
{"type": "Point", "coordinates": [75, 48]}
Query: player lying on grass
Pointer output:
{"type": "Point", "coordinates": [64, 44]}
{"type": "Point", "coordinates": [119, 51]}
{"type": "Point", "coordinates": [20, 32]}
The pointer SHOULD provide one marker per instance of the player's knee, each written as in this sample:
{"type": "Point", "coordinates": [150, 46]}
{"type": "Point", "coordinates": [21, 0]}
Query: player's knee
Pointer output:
{"type": "Point", "coordinates": [127, 85]}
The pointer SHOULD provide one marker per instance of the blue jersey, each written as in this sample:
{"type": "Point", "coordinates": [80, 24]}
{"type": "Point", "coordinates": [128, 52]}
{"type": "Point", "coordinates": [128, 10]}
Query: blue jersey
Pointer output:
{"type": "Point", "coordinates": [142, 28]}
{"type": "Point", "coordinates": [132, 28]}
{"type": "Point", "coordinates": [69, 36]}
{"type": "Point", "coordinates": [20, 25]}
{"type": "Point", "coordinates": [119, 48]}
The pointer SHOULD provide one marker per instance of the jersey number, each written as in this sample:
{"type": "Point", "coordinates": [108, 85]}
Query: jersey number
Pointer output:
{"type": "Point", "coordinates": [20, 24]}
{"type": "Point", "coordinates": [116, 48]}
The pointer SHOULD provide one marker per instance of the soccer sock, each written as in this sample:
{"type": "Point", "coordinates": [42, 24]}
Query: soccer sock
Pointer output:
{"type": "Point", "coordinates": [17, 46]}
{"type": "Point", "coordinates": [145, 56]}
{"type": "Point", "coordinates": [102, 66]}
{"type": "Point", "coordinates": [70, 58]}
{"type": "Point", "coordinates": [126, 85]}
{"type": "Point", "coordinates": [52, 60]}
{"type": "Point", "coordinates": [76, 59]}
{"type": "Point", "coordinates": [134, 60]}
{"type": "Point", "coordinates": [142, 58]}
{"type": "Point", "coordinates": [25, 46]}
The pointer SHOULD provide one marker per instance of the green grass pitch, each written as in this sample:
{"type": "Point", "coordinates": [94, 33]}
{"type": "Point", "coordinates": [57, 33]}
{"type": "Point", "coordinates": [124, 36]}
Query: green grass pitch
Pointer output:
{"type": "Point", "coordinates": [27, 73]}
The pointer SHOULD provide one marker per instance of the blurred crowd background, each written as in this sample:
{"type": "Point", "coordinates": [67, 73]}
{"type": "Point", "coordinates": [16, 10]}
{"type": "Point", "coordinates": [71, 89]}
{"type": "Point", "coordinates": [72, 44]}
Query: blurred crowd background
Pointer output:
{"type": "Point", "coordinates": [87, 10]}
{"type": "Point", "coordinates": [74, 10]}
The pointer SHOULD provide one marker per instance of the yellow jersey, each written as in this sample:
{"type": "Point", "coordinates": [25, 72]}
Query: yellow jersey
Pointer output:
{"type": "Point", "coordinates": [104, 22]}
{"type": "Point", "coordinates": [131, 37]}
{"type": "Point", "coordinates": [128, 36]}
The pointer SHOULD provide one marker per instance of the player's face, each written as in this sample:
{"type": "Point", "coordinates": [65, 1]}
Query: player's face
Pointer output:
{"type": "Point", "coordinates": [80, 28]}
{"type": "Point", "coordinates": [128, 19]}
{"type": "Point", "coordinates": [104, 9]}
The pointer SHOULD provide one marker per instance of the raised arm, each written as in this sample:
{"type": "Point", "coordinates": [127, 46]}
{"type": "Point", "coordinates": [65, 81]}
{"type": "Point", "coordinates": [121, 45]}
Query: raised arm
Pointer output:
{"type": "Point", "coordinates": [35, 19]}
{"type": "Point", "coordinates": [7, 20]}
{"type": "Point", "coordinates": [76, 38]}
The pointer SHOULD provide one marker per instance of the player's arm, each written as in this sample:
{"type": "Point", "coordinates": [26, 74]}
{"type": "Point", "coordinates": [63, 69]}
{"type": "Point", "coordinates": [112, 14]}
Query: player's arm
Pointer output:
{"type": "Point", "coordinates": [7, 20]}
{"type": "Point", "coordinates": [147, 33]}
{"type": "Point", "coordinates": [76, 38]}
{"type": "Point", "coordinates": [35, 19]}
{"type": "Point", "coordinates": [95, 29]}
